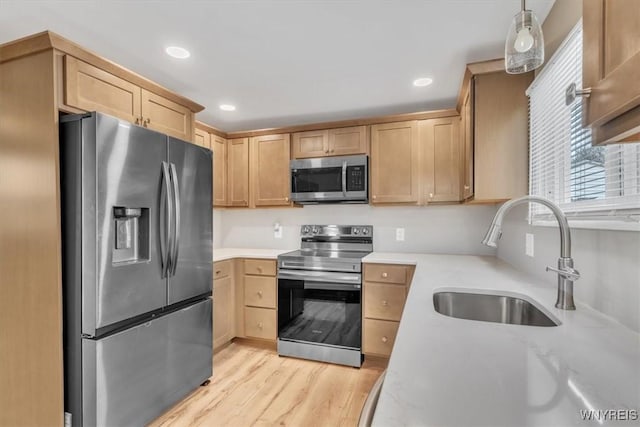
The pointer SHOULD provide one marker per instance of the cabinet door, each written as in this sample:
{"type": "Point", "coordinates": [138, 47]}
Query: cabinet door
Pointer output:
{"type": "Point", "coordinates": [395, 163]}
{"type": "Point", "coordinates": [611, 63]}
{"type": "Point", "coordinates": [89, 88]}
{"type": "Point", "coordinates": [500, 139]}
{"type": "Point", "coordinates": [238, 172]}
{"type": "Point", "coordinates": [467, 144]}
{"type": "Point", "coordinates": [440, 141]}
{"type": "Point", "coordinates": [201, 138]}
{"type": "Point", "coordinates": [310, 144]}
{"type": "Point", "coordinates": [346, 141]}
{"type": "Point", "coordinates": [166, 116]}
{"type": "Point", "coordinates": [219, 148]}
{"type": "Point", "coordinates": [223, 311]}
{"type": "Point", "coordinates": [270, 182]}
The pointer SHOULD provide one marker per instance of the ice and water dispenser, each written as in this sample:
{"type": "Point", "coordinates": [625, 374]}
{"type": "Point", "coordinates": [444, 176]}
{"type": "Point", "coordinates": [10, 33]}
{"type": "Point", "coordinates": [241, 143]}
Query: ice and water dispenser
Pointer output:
{"type": "Point", "coordinates": [131, 234]}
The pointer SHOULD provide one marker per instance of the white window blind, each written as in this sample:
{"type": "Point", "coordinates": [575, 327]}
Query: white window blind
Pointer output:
{"type": "Point", "coordinates": [586, 181]}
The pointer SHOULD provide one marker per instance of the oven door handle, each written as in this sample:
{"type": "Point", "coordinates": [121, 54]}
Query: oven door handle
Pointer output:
{"type": "Point", "coordinates": [321, 276]}
{"type": "Point", "coordinates": [327, 286]}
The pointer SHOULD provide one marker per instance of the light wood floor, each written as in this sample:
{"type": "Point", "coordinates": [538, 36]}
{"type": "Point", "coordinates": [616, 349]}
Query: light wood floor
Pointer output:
{"type": "Point", "coordinates": [252, 385]}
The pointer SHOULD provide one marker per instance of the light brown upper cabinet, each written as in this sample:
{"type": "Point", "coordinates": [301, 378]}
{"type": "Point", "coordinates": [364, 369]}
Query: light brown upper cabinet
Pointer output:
{"type": "Point", "coordinates": [166, 116]}
{"type": "Point", "coordinates": [466, 135]}
{"type": "Point", "coordinates": [220, 171]}
{"type": "Point", "coordinates": [330, 142]}
{"type": "Point", "coordinates": [611, 68]}
{"type": "Point", "coordinates": [269, 170]}
{"type": "Point", "coordinates": [394, 163]}
{"type": "Point", "coordinates": [89, 88]}
{"type": "Point", "coordinates": [238, 172]}
{"type": "Point", "coordinates": [440, 143]}
{"type": "Point", "coordinates": [500, 138]}
{"type": "Point", "coordinates": [201, 138]}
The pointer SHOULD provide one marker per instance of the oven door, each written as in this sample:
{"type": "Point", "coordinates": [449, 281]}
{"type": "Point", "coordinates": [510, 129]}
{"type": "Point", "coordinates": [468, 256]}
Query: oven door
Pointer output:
{"type": "Point", "coordinates": [320, 310]}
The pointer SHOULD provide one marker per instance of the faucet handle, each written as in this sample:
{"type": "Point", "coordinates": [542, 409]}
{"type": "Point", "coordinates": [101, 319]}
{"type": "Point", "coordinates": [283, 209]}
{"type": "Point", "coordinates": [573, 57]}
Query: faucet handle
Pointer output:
{"type": "Point", "coordinates": [568, 273]}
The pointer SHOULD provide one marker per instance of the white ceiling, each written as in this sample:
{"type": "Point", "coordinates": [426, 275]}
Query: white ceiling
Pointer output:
{"type": "Point", "coordinates": [286, 62]}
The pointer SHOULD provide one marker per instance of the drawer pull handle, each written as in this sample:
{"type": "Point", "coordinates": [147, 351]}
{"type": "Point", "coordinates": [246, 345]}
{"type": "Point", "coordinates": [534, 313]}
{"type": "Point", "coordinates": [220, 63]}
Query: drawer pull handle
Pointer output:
{"type": "Point", "coordinates": [218, 272]}
{"type": "Point", "coordinates": [385, 303]}
{"type": "Point", "coordinates": [260, 294]}
{"type": "Point", "coordinates": [385, 339]}
{"type": "Point", "coordinates": [260, 325]}
{"type": "Point", "coordinates": [259, 269]}
{"type": "Point", "coordinates": [385, 275]}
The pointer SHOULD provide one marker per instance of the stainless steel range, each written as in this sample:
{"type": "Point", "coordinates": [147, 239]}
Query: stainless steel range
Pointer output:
{"type": "Point", "coordinates": [319, 294]}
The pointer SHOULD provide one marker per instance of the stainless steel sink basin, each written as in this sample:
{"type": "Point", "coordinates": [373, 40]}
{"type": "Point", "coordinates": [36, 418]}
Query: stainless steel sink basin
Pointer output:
{"type": "Point", "coordinates": [490, 308]}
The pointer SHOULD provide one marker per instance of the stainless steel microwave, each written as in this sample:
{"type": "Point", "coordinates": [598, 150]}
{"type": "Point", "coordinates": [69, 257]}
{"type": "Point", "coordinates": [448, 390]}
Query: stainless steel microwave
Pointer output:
{"type": "Point", "coordinates": [341, 179]}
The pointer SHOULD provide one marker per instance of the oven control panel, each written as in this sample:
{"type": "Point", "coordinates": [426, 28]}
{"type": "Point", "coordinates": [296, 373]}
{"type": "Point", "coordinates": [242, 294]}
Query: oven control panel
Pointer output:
{"type": "Point", "coordinates": [336, 231]}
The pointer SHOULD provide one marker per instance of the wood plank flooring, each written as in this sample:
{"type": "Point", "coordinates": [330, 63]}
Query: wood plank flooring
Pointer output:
{"type": "Point", "coordinates": [253, 386]}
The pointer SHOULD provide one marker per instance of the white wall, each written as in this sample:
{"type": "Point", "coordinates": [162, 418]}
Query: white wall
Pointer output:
{"type": "Point", "coordinates": [217, 228]}
{"type": "Point", "coordinates": [436, 229]}
{"type": "Point", "coordinates": [608, 261]}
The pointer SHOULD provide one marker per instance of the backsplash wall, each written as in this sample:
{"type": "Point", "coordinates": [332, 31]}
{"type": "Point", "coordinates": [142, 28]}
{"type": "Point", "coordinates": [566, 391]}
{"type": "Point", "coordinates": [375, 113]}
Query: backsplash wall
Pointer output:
{"type": "Point", "coordinates": [436, 229]}
{"type": "Point", "coordinates": [608, 262]}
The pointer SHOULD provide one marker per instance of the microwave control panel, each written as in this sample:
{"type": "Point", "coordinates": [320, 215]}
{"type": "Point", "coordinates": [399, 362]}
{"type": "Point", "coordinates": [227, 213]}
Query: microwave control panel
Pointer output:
{"type": "Point", "coordinates": [356, 178]}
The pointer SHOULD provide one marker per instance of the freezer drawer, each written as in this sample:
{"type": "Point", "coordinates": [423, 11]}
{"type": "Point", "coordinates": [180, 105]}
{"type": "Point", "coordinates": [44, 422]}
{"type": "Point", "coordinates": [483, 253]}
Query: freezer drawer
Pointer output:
{"type": "Point", "coordinates": [132, 377]}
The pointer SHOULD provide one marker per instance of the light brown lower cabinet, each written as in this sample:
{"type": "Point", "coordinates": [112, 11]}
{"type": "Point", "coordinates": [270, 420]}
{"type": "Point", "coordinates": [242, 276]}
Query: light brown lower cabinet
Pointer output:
{"type": "Point", "coordinates": [385, 292]}
{"type": "Point", "coordinates": [257, 298]}
{"type": "Point", "coordinates": [223, 303]}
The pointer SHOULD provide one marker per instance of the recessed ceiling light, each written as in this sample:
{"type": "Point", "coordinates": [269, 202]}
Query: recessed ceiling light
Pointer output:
{"type": "Point", "coordinates": [227, 107]}
{"type": "Point", "coordinates": [423, 81]}
{"type": "Point", "coordinates": [177, 52]}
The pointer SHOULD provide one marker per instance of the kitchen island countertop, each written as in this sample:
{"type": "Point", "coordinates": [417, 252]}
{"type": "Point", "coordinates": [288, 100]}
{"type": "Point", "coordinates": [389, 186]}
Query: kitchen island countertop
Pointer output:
{"type": "Point", "coordinates": [445, 371]}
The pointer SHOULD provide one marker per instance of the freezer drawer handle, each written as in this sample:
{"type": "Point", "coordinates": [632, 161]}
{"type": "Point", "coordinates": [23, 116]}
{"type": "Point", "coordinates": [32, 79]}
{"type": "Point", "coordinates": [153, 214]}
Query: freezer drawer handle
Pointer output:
{"type": "Point", "coordinates": [165, 234]}
{"type": "Point", "coordinates": [176, 201]}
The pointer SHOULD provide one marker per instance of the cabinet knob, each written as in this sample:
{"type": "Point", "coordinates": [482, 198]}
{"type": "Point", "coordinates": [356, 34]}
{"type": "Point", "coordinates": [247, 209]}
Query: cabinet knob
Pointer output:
{"type": "Point", "coordinates": [333, 151]}
{"type": "Point", "coordinates": [431, 195]}
{"type": "Point", "coordinates": [286, 199]}
{"type": "Point", "coordinates": [146, 122]}
{"type": "Point", "coordinates": [384, 302]}
{"type": "Point", "coordinates": [374, 197]}
{"type": "Point", "coordinates": [384, 274]}
{"type": "Point", "coordinates": [218, 272]}
{"type": "Point", "coordinates": [260, 325]}
{"type": "Point", "coordinates": [326, 152]}
{"type": "Point", "coordinates": [137, 120]}
{"type": "Point", "coordinates": [260, 294]}
{"type": "Point", "coordinates": [259, 269]}
{"type": "Point", "coordinates": [385, 339]}
{"type": "Point", "coordinates": [466, 187]}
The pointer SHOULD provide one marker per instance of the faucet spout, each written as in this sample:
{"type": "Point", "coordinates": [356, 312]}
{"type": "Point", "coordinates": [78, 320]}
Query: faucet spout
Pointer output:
{"type": "Point", "coordinates": [566, 273]}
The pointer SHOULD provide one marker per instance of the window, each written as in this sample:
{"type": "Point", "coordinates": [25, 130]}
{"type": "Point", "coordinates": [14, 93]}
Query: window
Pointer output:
{"type": "Point", "coordinates": [587, 182]}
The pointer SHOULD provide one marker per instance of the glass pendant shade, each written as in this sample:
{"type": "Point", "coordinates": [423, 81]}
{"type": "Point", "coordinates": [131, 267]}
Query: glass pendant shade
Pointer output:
{"type": "Point", "coordinates": [524, 48]}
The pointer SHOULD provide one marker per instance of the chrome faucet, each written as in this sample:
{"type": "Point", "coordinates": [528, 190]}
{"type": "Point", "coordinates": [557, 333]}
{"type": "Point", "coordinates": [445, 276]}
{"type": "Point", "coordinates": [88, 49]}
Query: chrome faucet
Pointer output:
{"type": "Point", "coordinates": [566, 273]}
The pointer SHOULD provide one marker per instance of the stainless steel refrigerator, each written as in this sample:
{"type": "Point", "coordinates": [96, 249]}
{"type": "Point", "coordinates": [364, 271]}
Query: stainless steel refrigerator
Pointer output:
{"type": "Point", "coordinates": [137, 270]}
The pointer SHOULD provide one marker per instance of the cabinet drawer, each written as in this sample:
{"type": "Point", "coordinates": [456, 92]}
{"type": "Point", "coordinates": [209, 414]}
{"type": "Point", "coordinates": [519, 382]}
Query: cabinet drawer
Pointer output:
{"type": "Point", "coordinates": [260, 323]}
{"type": "Point", "coordinates": [260, 291]}
{"type": "Point", "coordinates": [384, 301]}
{"type": "Point", "coordinates": [260, 267]}
{"type": "Point", "coordinates": [385, 273]}
{"type": "Point", "coordinates": [222, 269]}
{"type": "Point", "coordinates": [379, 336]}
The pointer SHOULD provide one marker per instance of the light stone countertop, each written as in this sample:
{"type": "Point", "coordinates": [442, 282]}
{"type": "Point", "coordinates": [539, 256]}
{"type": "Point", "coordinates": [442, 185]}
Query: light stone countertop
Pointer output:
{"type": "Point", "coordinates": [220, 254]}
{"type": "Point", "coordinates": [445, 371]}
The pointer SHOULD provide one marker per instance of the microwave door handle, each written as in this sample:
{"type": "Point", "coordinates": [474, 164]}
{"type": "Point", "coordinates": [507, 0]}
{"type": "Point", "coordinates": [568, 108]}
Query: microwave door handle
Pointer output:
{"type": "Point", "coordinates": [344, 178]}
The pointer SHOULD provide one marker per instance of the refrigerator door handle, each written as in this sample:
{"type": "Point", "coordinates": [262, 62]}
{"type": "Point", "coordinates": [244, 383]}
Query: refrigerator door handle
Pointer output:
{"type": "Point", "coordinates": [165, 232]}
{"type": "Point", "coordinates": [176, 201]}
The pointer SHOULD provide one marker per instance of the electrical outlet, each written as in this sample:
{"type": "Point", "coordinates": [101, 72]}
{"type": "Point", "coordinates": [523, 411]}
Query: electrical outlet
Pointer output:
{"type": "Point", "coordinates": [529, 244]}
{"type": "Point", "coordinates": [400, 234]}
{"type": "Point", "coordinates": [277, 231]}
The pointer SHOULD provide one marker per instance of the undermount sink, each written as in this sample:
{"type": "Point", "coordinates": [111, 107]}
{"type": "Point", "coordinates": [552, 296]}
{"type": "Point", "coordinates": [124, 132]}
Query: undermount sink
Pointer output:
{"type": "Point", "coordinates": [490, 308]}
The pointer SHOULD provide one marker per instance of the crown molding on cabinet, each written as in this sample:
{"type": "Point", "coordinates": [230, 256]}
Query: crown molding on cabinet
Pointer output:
{"type": "Point", "coordinates": [50, 40]}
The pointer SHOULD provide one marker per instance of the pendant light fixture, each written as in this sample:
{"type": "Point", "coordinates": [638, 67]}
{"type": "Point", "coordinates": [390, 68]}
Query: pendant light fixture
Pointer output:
{"type": "Point", "coordinates": [524, 48]}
